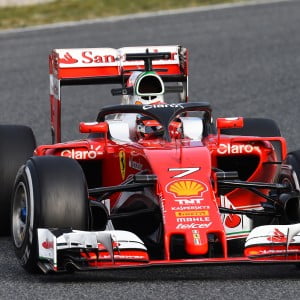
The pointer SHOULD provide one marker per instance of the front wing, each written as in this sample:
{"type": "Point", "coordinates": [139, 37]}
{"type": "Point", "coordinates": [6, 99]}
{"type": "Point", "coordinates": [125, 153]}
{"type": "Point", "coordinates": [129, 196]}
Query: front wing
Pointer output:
{"type": "Point", "coordinates": [66, 249]}
{"type": "Point", "coordinates": [60, 250]}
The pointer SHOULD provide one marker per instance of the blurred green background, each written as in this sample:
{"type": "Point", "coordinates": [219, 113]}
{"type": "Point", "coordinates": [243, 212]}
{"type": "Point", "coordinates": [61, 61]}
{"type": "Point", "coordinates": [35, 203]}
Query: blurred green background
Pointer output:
{"type": "Point", "coordinates": [74, 10]}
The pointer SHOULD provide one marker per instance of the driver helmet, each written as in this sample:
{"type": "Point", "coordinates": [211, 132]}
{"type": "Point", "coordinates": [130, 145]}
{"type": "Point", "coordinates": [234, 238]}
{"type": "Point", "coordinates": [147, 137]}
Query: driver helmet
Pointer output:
{"type": "Point", "coordinates": [148, 128]}
{"type": "Point", "coordinates": [148, 88]}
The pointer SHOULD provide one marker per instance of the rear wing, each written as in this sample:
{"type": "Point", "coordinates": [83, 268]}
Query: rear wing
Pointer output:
{"type": "Point", "coordinates": [107, 65]}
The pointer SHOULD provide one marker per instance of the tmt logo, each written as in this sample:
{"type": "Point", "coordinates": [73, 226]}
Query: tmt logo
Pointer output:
{"type": "Point", "coordinates": [188, 201]}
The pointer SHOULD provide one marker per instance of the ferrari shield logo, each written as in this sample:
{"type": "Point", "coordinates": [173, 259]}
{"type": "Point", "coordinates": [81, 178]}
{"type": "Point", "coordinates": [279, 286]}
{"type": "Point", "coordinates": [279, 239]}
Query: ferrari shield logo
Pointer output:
{"type": "Point", "coordinates": [122, 160]}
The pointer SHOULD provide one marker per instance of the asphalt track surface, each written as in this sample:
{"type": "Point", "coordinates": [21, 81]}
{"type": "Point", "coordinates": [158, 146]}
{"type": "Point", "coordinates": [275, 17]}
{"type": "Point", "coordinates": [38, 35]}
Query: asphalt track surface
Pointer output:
{"type": "Point", "coordinates": [245, 61]}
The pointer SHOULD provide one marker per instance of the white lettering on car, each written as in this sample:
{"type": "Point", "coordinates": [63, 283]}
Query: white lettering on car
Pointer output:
{"type": "Point", "coordinates": [82, 154]}
{"type": "Point", "coordinates": [149, 106]}
{"type": "Point", "coordinates": [236, 149]}
{"type": "Point", "coordinates": [193, 219]}
{"type": "Point", "coordinates": [188, 201]}
{"type": "Point", "coordinates": [184, 208]}
{"type": "Point", "coordinates": [193, 226]}
{"type": "Point", "coordinates": [185, 171]}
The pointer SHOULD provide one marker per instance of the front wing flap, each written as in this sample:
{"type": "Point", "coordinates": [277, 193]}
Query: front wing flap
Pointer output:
{"type": "Point", "coordinates": [66, 249]}
{"type": "Point", "coordinates": [274, 242]}
{"type": "Point", "coordinates": [61, 250]}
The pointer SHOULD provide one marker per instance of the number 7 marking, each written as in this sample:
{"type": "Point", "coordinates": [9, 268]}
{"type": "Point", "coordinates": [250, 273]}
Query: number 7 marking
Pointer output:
{"type": "Point", "coordinates": [185, 171]}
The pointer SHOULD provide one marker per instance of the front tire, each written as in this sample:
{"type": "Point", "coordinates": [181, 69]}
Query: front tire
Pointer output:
{"type": "Point", "coordinates": [49, 192]}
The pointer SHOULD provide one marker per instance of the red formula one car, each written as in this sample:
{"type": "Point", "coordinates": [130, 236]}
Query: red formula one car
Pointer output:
{"type": "Point", "coordinates": [152, 182]}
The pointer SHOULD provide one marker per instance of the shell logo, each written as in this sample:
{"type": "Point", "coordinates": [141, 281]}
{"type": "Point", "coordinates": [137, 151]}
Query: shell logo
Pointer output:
{"type": "Point", "coordinates": [186, 188]}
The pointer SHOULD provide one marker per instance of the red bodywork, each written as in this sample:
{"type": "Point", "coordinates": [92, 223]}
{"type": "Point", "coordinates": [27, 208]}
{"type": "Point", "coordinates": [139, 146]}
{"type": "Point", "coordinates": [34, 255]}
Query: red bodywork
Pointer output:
{"type": "Point", "coordinates": [186, 188]}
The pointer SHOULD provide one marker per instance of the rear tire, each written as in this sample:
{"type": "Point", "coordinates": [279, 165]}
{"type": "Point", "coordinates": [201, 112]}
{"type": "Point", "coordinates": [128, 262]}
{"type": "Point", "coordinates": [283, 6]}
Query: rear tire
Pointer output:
{"type": "Point", "coordinates": [293, 159]}
{"type": "Point", "coordinates": [260, 127]}
{"type": "Point", "coordinates": [255, 127]}
{"type": "Point", "coordinates": [17, 145]}
{"type": "Point", "coordinates": [49, 192]}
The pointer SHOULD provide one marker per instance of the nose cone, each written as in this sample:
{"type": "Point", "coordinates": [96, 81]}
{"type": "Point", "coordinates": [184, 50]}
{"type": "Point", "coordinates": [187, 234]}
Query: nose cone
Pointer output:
{"type": "Point", "coordinates": [187, 199]}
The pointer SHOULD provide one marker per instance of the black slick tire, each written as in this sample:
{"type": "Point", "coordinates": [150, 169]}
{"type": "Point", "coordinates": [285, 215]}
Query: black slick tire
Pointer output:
{"type": "Point", "coordinates": [17, 145]}
{"type": "Point", "coordinates": [293, 159]}
{"type": "Point", "coordinates": [255, 127]}
{"type": "Point", "coordinates": [260, 127]}
{"type": "Point", "coordinates": [49, 192]}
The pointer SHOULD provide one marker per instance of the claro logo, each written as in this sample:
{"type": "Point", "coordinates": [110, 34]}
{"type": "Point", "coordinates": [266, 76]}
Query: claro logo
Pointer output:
{"type": "Point", "coordinates": [236, 149]}
{"type": "Point", "coordinates": [173, 105]}
{"type": "Point", "coordinates": [82, 154]}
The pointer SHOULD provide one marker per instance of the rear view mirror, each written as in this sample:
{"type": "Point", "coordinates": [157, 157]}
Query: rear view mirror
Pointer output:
{"type": "Point", "coordinates": [94, 127]}
{"type": "Point", "coordinates": [226, 123]}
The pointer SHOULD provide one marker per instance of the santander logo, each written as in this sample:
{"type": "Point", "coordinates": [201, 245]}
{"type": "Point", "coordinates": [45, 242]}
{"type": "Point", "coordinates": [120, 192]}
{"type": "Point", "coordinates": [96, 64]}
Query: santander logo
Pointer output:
{"type": "Point", "coordinates": [100, 56]}
{"type": "Point", "coordinates": [277, 236]}
{"type": "Point", "coordinates": [86, 57]}
{"type": "Point", "coordinates": [68, 59]}
{"type": "Point", "coordinates": [89, 57]}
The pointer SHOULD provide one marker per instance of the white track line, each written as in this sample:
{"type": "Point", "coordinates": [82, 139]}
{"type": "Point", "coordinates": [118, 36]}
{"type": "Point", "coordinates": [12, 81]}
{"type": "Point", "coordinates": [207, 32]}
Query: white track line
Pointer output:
{"type": "Point", "coordinates": [144, 15]}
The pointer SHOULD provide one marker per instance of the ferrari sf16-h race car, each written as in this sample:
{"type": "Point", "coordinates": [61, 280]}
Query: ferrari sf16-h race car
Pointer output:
{"type": "Point", "coordinates": [153, 182]}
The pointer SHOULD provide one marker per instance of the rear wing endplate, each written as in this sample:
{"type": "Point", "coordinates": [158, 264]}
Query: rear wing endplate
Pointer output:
{"type": "Point", "coordinates": [106, 65]}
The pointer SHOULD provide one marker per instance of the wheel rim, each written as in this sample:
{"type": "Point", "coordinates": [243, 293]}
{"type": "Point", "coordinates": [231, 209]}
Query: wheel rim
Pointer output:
{"type": "Point", "coordinates": [20, 215]}
{"type": "Point", "coordinates": [288, 182]}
